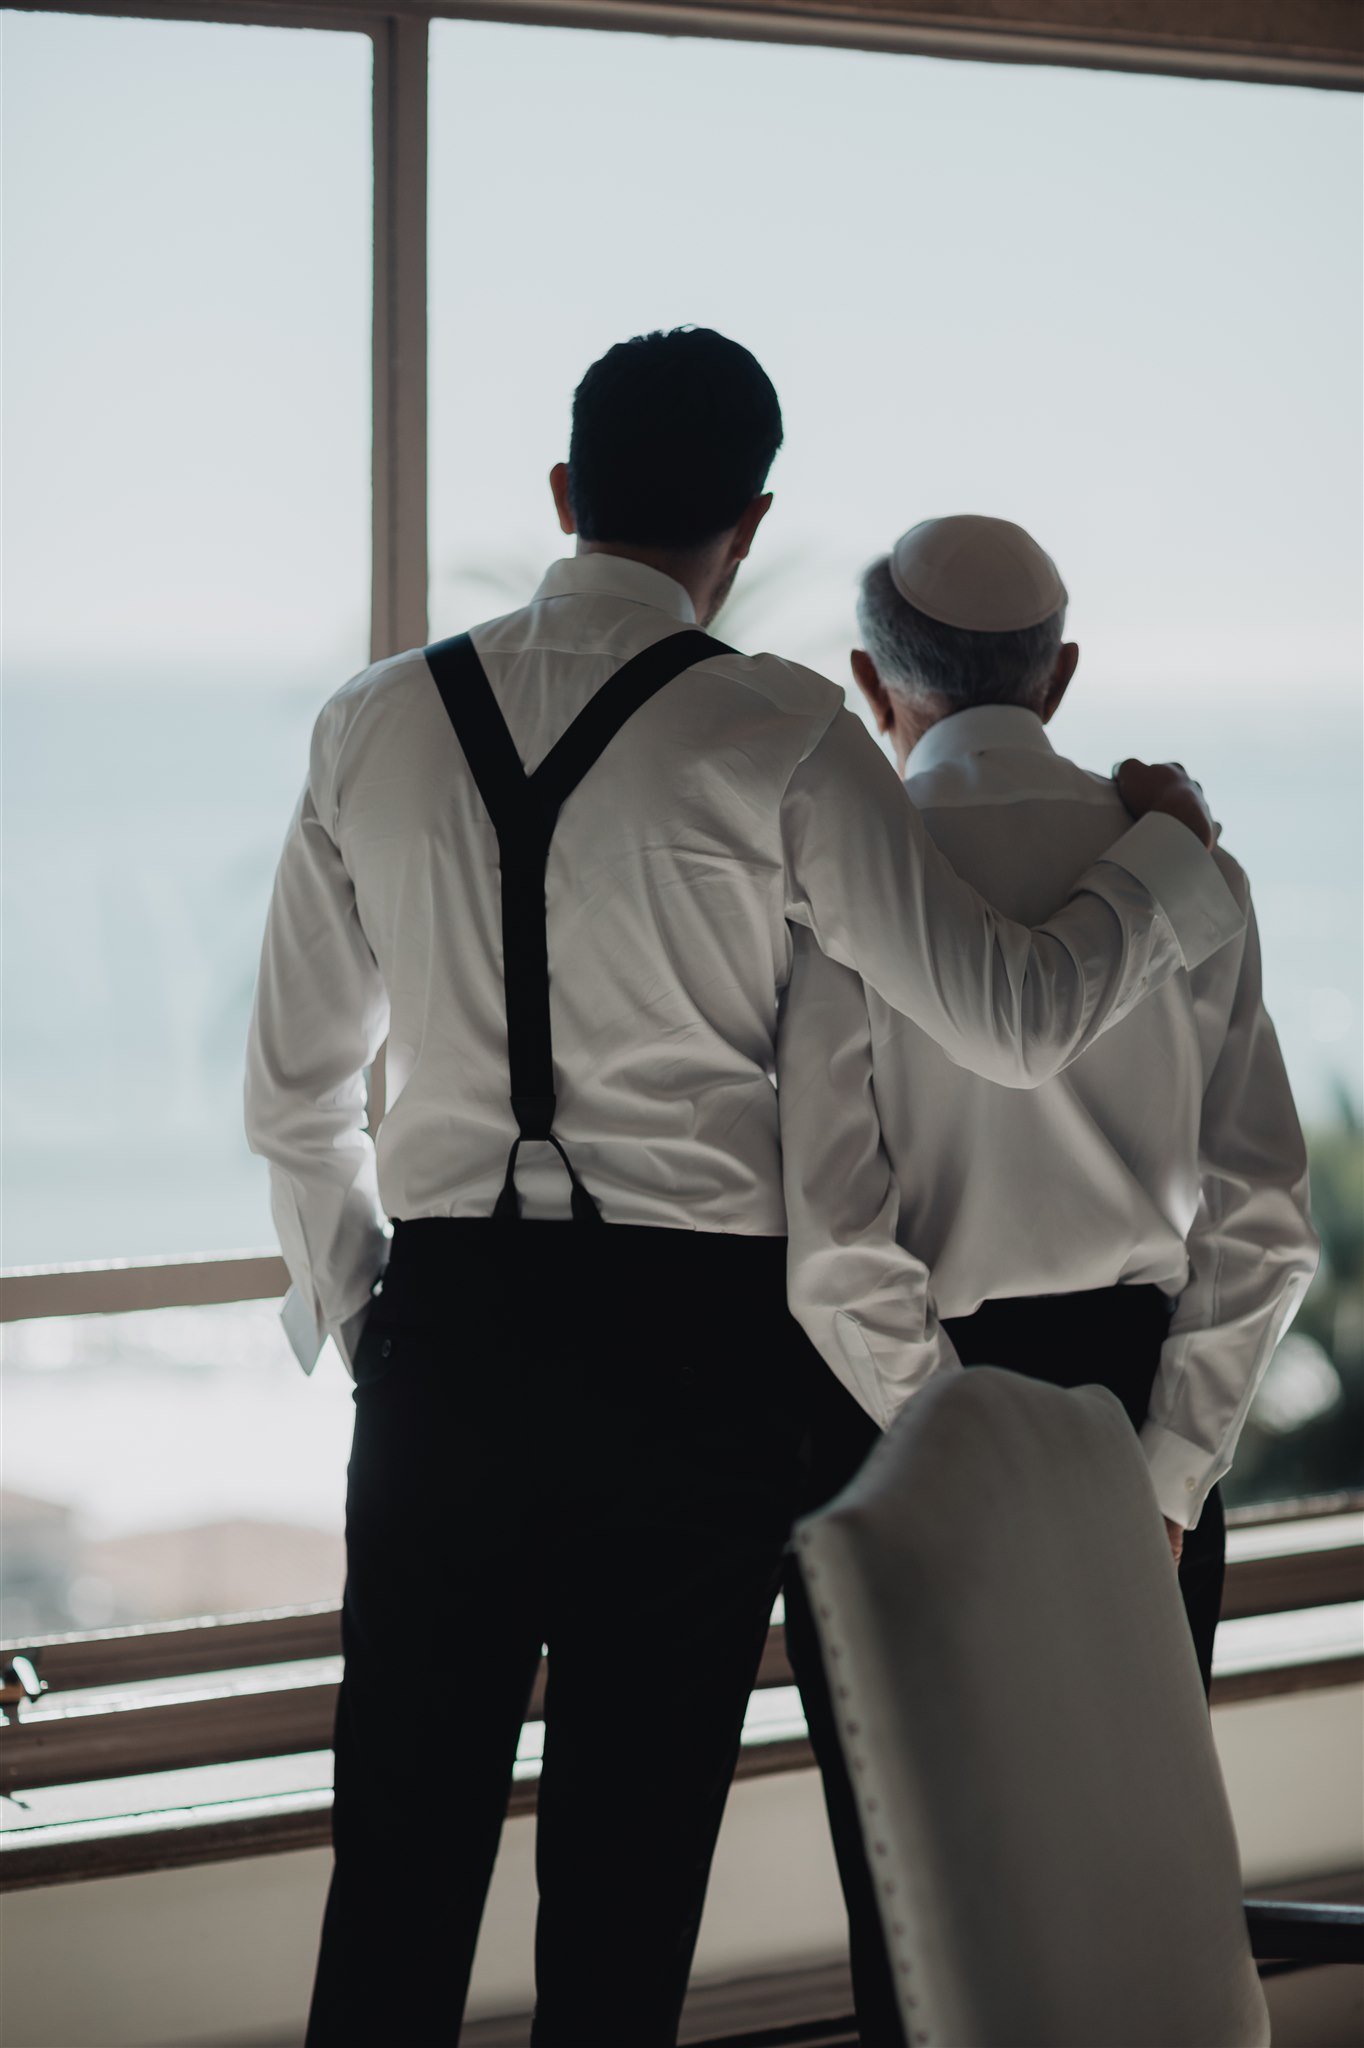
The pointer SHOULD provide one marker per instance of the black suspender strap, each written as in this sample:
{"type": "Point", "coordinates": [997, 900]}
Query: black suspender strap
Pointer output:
{"type": "Point", "coordinates": [524, 810]}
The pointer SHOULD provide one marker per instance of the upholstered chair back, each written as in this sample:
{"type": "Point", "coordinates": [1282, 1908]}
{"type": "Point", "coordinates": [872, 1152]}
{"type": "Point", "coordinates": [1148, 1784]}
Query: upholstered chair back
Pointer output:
{"type": "Point", "coordinates": [1026, 1731]}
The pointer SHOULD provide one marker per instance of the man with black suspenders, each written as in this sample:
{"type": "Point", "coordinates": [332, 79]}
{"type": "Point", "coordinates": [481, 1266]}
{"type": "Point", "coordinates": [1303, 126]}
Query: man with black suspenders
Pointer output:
{"type": "Point", "coordinates": [555, 863]}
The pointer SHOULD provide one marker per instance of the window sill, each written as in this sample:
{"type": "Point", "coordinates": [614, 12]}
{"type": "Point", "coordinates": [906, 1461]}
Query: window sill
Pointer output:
{"type": "Point", "coordinates": [269, 1805]}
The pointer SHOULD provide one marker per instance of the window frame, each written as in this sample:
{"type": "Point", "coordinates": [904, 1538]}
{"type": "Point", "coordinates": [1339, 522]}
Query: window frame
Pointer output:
{"type": "Point", "coordinates": [1314, 44]}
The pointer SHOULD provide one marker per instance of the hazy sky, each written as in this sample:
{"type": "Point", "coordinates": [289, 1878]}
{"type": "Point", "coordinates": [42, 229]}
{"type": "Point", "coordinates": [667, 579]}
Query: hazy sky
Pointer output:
{"type": "Point", "coordinates": [187, 343]}
{"type": "Point", "coordinates": [1125, 311]}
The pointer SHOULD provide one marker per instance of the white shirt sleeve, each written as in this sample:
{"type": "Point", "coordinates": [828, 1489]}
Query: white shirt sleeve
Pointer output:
{"type": "Point", "coordinates": [320, 1016]}
{"type": "Point", "coordinates": [1011, 1004]}
{"type": "Point", "coordinates": [862, 1299]}
{"type": "Point", "coordinates": [1252, 1253]}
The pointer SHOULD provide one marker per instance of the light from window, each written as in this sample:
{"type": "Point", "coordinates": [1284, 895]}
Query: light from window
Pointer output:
{"type": "Point", "coordinates": [187, 323]}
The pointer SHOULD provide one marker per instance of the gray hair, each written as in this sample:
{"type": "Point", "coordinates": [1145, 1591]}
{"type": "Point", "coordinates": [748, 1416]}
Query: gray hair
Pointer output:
{"type": "Point", "coordinates": [918, 657]}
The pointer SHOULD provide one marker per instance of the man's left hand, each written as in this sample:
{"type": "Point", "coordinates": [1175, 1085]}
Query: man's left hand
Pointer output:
{"type": "Point", "coordinates": [1174, 1536]}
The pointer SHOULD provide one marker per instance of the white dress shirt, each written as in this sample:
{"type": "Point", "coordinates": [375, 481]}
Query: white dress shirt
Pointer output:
{"type": "Point", "coordinates": [1169, 1153]}
{"type": "Point", "coordinates": [742, 798]}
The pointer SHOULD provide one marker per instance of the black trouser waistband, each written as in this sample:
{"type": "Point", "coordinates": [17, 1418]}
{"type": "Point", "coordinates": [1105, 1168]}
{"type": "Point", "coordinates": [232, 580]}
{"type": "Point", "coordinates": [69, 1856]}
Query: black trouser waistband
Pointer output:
{"type": "Point", "coordinates": [433, 1240]}
{"type": "Point", "coordinates": [1140, 1295]}
{"type": "Point", "coordinates": [1110, 1334]}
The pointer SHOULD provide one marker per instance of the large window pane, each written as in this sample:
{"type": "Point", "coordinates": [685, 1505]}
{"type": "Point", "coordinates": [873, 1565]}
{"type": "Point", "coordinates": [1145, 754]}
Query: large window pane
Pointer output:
{"type": "Point", "coordinates": [1124, 311]}
{"type": "Point", "coordinates": [186, 527]}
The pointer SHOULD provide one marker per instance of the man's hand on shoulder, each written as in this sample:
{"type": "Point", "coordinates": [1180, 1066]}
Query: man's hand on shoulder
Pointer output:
{"type": "Point", "coordinates": [1166, 787]}
{"type": "Point", "coordinates": [1174, 1536]}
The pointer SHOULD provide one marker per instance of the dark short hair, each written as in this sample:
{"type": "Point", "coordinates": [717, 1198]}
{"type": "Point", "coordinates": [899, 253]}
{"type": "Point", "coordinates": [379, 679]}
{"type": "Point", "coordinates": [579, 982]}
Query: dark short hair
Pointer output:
{"type": "Point", "coordinates": [673, 436]}
{"type": "Point", "coordinates": [920, 656]}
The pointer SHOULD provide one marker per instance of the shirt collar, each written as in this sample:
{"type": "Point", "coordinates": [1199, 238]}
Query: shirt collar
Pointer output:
{"type": "Point", "coordinates": [982, 729]}
{"type": "Point", "coordinates": [617, 576]}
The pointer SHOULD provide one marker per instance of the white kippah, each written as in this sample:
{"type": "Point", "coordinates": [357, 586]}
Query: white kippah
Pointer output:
{"type": "Point", "coordinates": [984, 574]}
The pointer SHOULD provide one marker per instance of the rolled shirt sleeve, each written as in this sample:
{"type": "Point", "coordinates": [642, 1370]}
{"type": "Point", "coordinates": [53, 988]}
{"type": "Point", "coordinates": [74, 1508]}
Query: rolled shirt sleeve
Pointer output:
{"type": "Point", "coordinates": [862, 1298]}
{"type": "Point", "coordinates": [1252, 1249]}
{"type": "Point", "coordinates": [319, 1018]}
{"type": "Point", "coordinates": [1013, 1005]}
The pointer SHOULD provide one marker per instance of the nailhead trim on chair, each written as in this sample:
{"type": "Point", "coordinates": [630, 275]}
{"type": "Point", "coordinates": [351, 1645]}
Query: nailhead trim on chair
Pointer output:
{"type": "Point", "coordinates": [869, 1805]}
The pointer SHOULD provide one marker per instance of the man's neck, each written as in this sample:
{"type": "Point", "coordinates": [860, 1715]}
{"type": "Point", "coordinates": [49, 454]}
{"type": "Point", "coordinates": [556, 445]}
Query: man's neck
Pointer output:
{"type": "Point", "coordinates": [685, 566]}
{"type": "Point", "coordinates": [913, 718]}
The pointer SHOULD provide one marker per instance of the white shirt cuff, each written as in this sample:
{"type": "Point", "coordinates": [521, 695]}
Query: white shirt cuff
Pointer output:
{"type": "Point", "coordinates": [1182, 1473]}
{"type": "Point", "coordinates": [1172, 865]}
{"type": "Point", "coordinates": [301, 1328]}
{"type": "Point", "coordinates": [306, 1337]}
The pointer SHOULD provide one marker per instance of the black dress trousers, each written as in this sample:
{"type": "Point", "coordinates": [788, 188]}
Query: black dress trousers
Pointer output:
{"type": "Point", "coordinates": [1111, 1338]}
{"type": "Point", "coordinates": [590, 1439]}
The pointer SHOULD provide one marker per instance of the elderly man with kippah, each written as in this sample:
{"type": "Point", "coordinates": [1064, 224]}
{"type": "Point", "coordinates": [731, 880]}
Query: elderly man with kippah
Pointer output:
{"type": "Point", "coordinates": [1141, 1219]}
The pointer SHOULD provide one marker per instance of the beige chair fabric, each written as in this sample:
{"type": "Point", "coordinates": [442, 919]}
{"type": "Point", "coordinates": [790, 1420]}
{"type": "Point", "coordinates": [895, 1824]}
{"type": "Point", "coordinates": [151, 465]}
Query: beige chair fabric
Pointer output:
{"type": "Point", "coordinates": [1026, 1731]}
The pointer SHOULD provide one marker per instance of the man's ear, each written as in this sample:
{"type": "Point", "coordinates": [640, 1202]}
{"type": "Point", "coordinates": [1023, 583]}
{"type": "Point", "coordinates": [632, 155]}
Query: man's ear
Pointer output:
{"type": "Point", "coordinates": [874, 690]}
{"type": "Point", "coordinates": [563, 504]}
{"type": "Point", "coordinates": [748, 526]}
{"type": "Point", "coordinates": [1066, 662]}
